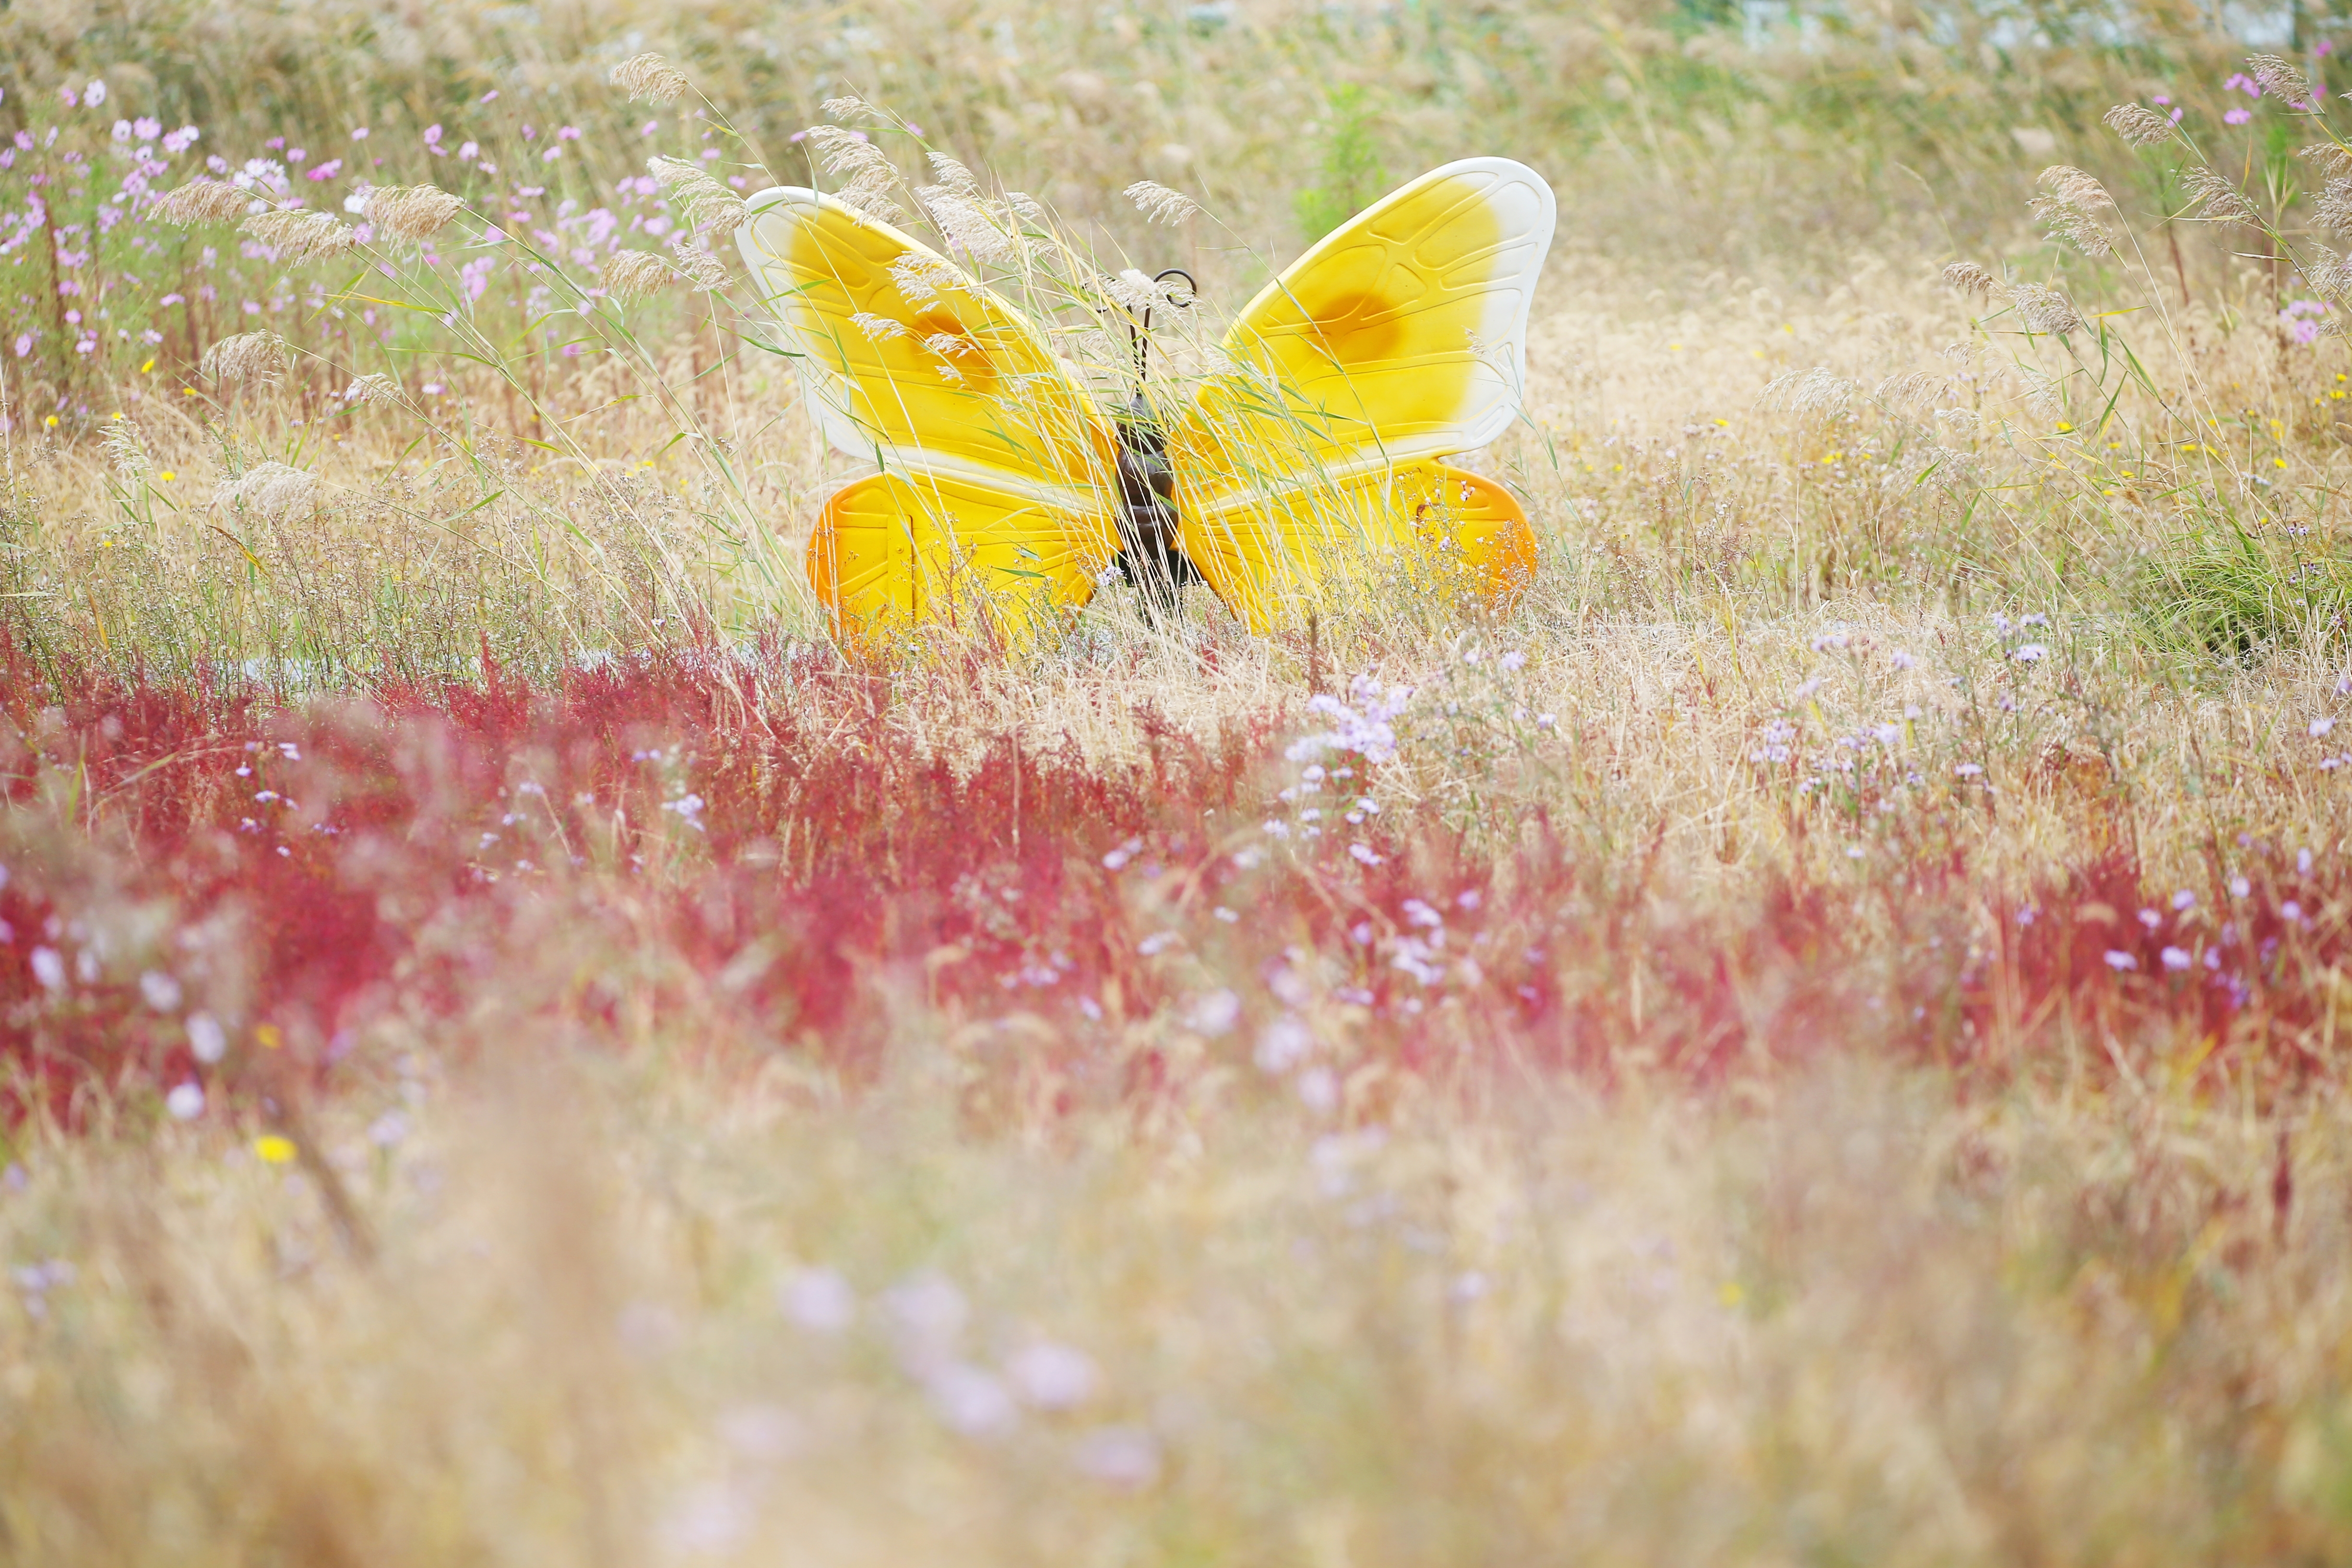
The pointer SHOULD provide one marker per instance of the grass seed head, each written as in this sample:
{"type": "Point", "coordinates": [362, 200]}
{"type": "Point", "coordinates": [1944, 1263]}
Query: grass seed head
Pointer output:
{"type": "Point", "coordinates": [869, 178]}
{"type": "Point", "coordinates": [247, 356]}
{"type": "Point", "coordinates": [1133, 292]}
{"type": "Point", "coordinates": [376, 391]}
{"type": "Point", "coordinates": [2330, 158]}
{"type": "Point", "coordinates": [2280, 79]}
{"type": "Point", "coordinates": [846, 153]}
{"type": "Point", "coordinates": [1157, 203]}
{"type": "Point", "coordinates": [1968, 277]}
{"type": "Point", "coordinates": [299, 236]}
{"type": "Point", "coordinates": [871, 196]}
{"type": "Point", "coordinates": [273, 490]}
{"type": "Point", "coordinates": [1816, 394]}
{"type": "Point", "coordinates": [203, 201]}
{"type": "Point", "coordinates": [2139, 126]}
{"type": "Point", "coordinates": [700, 268]}
{"type": "Point", "coordinates": [2070, 225]}
{"type": "Point", "coordinates": [918, 277]}
{"type": "Point", "coordinates": [124, 450]}
{"type": "Point", "coordinates": [2219, 197]}
{"type": "Point", "coordinates": [2329, 275]}
{"type": "Point", "coordinates": [973, 227]}
{"type": "Point", "coordinates": [1923, 388]}
{"type": "Point", "coordinates": [2046, 311]}
{"type": "Point", "coordinates": [2071, 207]}
{"type": "Point", "coordinates": [634, 275]}
{"type": "Point", "coordinates": [651, 78]}
{"type": "Point", "coordinates": [2335, 207]}
{"type": "Point", "coordinates": [951, 173]}
{"type": "Point", "coordinates": [706, 202]}
{"type": "Point", "coordinates": [2041, 394]}
{"type": "Point", "coordinates": [2069, 183]}
{"type": "Point", "coordinates": [412, 213]}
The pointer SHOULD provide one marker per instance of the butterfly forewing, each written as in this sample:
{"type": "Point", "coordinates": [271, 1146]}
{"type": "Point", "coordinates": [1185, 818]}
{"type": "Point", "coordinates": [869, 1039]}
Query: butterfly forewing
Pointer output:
{"type": "Point", "coordinates": [908, 354]}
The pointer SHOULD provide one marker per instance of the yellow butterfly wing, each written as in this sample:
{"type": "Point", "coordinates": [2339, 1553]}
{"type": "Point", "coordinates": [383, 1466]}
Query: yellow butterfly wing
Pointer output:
{"type": "Point", "coordinates": [894, 554]}
{"type": "Point", "coordinates": [1418, 527]}
{"type": "Point", "coordinates": [1398, 339]}
{"type": "Point", "coordinates": [996, 466]}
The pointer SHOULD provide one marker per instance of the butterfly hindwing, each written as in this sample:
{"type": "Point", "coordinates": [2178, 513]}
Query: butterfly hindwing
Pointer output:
{"type": "Point", "coordinates": [1426, 527]}
{"type": "Point", "coordinates": [893, 554]}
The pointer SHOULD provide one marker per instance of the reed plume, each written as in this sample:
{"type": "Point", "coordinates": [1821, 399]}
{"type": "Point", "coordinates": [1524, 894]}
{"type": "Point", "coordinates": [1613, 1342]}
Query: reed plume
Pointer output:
{"type": "Point", "coordinates": [1968, 277]}
{"type": "Point", "coordinates": [2070, 209]}
{"type": "Point", "coordinates": [2219, 197]}
{"type": "Point", "coordinates": [704, 201]}
{"type": "Point", "coordinates": [1133, 292]}
{"type": "Point", "coordinates": [920, 278]}
{"type": "Point", "coordinates": [2332, 159]}
{"type": "Point", "coordinates": [297, 236]}
{"type": "Point", "coordinates": [1159, 203]}
{"type": "Point", "coordinates": [1819, 393]}
{"type": "Point", "coordinates": [2045, 311]}
{"type": "Point", "coordinates": [651, 78]}
{"type": "Point", "coordinates": [124, 451]}
{"type": "Point", "coordinates": [412, 213]}
{"type": "Point", "coordinates": [954, 176]}
{"type": "Point", "coordinates": [634, 275]}
{"type": "Point", "coordinates": [973, 226]}
{"type": "Point", "coordinates": [374, 391]}
{"type": "Point", "coordinates": [202, 201]}
{"type": "Point", "coordinates": [2280, 79]}
{"type": "Point", "coordinates": [2334, 208]}
{"type": "Point", "coordinates": [248, 357]}
{"type": "Point", "coordinates": [2138, 125]}
{"type": "Point", "coordinates": [275, 491]}
{"type": "Point", "coordinates": [869, 178]}
{"type": "Point", "coordinates": [699, 267]}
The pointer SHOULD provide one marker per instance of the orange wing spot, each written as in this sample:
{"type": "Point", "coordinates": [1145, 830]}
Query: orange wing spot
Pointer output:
{"type": "Point", "coordinates": [1359, 329]}
{"type": "Point", "coordinates": [954, 343]}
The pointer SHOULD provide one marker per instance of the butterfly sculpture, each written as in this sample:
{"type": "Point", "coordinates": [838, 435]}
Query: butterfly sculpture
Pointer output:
{"type": "Point", "coordinates": [1309, 455]}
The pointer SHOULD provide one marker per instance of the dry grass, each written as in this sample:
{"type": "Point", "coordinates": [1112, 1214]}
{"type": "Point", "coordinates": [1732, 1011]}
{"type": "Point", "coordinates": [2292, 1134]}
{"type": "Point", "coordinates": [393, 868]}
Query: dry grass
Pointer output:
{"type": "Point", "coordinates": [1807, 1150]}
{"type": "Point", "coordinates": [1842, 1319]}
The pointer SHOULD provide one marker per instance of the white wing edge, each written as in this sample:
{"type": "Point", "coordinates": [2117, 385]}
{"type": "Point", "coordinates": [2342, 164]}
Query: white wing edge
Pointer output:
{"type": "Point", "coordinates": [1508, 171]}
{"type": "Point", "coordinates": [826, 393]}
{"type": "Point", "coordinates": [1496, 420]}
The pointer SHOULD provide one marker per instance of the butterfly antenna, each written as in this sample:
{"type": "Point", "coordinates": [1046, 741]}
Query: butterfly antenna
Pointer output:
{"type": "Point", "coordinates": [1142, 340]}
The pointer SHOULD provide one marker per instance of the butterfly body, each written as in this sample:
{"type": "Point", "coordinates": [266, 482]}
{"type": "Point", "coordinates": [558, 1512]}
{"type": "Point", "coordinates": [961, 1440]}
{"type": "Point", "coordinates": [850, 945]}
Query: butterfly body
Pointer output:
{"type": "Point", "coordinates": [1150, 554]}
{"type": "Point", "coordinates": [1309, 462]}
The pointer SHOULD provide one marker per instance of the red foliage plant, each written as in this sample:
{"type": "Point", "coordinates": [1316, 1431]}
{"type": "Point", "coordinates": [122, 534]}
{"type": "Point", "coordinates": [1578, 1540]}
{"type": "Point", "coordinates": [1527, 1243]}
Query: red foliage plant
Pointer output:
{"type": "Point", "coordinates": [745, 855]}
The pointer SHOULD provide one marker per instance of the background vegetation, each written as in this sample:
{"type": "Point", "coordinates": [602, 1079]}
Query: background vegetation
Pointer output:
{"type": "Point", "coordinates": [1812, 1036]}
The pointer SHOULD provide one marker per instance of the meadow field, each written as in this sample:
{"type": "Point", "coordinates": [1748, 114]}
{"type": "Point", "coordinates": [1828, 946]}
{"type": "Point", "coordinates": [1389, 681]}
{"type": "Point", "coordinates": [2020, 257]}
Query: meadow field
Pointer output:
{"type": "Point", "coordinates": [1811, 1037]}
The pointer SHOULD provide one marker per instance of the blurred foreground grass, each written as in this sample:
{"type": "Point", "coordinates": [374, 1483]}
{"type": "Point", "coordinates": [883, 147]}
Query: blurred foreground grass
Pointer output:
{"type": "Point", "coordinates": [608, 1313]}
